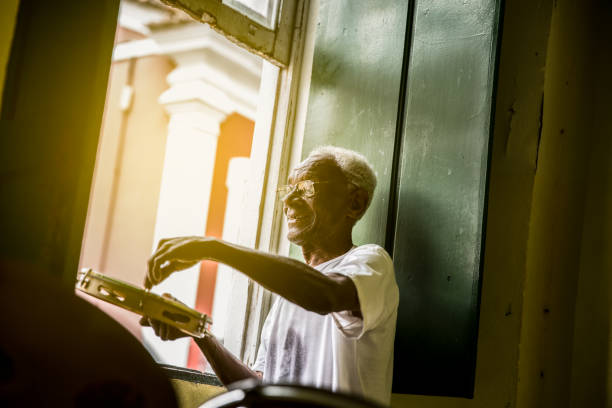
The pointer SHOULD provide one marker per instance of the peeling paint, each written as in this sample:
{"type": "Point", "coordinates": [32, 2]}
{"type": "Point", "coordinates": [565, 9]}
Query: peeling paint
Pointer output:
{"type": "Point", "coordinates": [511, 113]}
{"type": "Point", "coordinates": [273, 45]}
{"type": "Point", "coordinates": [540, 125]}
{"type": "Point", "coordinates": [208, 19]}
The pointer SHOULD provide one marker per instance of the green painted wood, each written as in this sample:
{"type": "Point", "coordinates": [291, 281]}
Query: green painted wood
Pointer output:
{"type": "Point", "coordinates": [355, 89]}
{"type": "Point", "coordinates": [434, 229]}
{"type": "Point", "coordinates": [441, 197]}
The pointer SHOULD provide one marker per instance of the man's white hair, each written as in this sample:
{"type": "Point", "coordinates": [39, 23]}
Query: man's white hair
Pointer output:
{"type": "Point", "coordinates": [355, 167]}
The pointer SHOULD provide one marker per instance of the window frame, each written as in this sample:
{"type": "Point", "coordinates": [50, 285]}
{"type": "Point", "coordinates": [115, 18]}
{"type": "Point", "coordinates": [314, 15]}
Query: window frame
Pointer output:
{"type": "Point", "coordinates": [277, 141]}
{"type": "Point", "coordinates": [273, 45]}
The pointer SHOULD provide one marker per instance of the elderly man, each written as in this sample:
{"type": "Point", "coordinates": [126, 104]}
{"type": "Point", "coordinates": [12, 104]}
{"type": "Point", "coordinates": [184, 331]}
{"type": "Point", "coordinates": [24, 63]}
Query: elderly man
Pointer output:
{"type": "Point", "coordinates": [334, 324]}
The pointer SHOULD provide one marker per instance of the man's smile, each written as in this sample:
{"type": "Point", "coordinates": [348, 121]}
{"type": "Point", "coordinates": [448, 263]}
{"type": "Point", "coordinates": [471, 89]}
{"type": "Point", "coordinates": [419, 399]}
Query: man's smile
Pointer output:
{"type": "Point", "coordinates": [295, 216]}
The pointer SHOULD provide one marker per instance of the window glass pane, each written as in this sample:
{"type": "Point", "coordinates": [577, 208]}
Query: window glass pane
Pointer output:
{"type": "Point", "coordinates": [263, 12]}
{"type": "Point", "coordinates": [174, 159]}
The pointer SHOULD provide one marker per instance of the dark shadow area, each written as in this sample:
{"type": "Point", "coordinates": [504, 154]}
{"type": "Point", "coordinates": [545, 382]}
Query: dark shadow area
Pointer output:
{"type": "Point", "coordinates": [58, 350]}
{"type": "Point", "coordinates": [436, 333]}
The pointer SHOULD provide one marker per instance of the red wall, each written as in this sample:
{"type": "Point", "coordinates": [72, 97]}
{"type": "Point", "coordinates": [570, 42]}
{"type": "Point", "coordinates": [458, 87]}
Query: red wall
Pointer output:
{"type": "Point", "coordinates": [235, 140]}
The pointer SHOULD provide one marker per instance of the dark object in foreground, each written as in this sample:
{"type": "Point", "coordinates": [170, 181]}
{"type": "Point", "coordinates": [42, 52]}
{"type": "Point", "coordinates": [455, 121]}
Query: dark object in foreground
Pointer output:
{"type": "Point", "coordinates": [250, 393]}
{"type": "Point", "coordinates": [57, 350]}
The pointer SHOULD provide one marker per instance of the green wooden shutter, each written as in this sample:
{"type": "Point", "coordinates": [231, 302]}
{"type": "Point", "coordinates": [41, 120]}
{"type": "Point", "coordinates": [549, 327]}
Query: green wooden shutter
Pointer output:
{"type": "Point", "coordinates": [426, 129]}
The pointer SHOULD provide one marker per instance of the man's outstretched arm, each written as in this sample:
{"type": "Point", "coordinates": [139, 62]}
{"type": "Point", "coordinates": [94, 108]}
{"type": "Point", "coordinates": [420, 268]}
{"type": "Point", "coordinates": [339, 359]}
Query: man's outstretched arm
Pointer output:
{"type": "Point", "coordinates": [228, 368]}
{"type": "Point", "coordinates": [291, 279]}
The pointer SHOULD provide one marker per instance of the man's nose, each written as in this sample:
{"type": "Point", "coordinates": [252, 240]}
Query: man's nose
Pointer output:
{"type": "Point", "coordinates": [291, 195]}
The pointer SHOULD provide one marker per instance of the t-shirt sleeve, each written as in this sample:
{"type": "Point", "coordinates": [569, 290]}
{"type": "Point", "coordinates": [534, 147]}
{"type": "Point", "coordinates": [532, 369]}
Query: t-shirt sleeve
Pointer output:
{"type": "Point", "coordinates": [371, 270]}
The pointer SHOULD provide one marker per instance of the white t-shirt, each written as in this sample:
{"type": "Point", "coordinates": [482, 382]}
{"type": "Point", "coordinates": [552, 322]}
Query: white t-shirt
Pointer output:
{"type": "Point", "coordinates": [337, 351]}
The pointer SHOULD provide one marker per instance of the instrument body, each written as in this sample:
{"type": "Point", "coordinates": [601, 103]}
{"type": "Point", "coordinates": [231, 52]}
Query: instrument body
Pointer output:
{"type": "Point", "coordinates": [142, 302]}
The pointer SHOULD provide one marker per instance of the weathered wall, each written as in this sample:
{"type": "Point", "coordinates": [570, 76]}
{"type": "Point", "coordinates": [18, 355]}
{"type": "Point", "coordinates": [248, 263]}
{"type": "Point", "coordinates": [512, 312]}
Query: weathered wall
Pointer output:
{"type": "Point", "coordinates": [124, 197]}
{"type": "Point", "coordinates": [591, 377]}
{"type": "Point", "coordinates": [8, 14]}
{"type": "Point", "coordinates": [557, 209]}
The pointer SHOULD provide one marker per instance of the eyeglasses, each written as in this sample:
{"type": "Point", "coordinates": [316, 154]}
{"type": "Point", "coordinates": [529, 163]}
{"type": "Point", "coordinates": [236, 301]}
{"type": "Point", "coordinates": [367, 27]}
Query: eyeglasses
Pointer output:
{"type": "Point", "coordinates": [304, 188]}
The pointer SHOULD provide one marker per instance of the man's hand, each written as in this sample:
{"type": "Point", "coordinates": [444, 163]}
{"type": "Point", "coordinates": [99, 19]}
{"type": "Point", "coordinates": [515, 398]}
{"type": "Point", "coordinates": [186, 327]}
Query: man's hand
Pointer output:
{"type": "Point", "coordinates": [174, 254]}
{"type": "Point", "coordinates": [163, 330]}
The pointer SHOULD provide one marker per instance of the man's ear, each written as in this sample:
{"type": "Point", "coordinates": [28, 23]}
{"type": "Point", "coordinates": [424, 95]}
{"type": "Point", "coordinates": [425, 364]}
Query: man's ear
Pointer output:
{"type": "Point", "coordinates": [358, 203]}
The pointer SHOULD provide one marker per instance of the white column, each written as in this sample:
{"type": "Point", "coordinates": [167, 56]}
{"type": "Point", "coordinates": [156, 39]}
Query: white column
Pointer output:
{"type": "Point", "coordinates": [228, 317]}
{"type": "Point", "coordinates": [196, 110]}
{"type": "Point", "coordinates": [212, 79]}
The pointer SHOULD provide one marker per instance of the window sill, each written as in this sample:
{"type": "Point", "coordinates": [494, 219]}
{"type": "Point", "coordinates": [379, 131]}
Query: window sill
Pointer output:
{"type": "Point", "coordinates": [193, 376]}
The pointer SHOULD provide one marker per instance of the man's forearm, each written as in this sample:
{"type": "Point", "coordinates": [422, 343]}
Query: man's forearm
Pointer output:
{"type": "Point", "coordinates": [292, 279]}
{"type": "Point", "coordinates": [228, 368]}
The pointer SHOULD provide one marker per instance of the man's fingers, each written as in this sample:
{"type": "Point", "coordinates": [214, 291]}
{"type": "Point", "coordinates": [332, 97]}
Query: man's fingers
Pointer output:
{"type": "Point", "coordinates": [149, 269]}
{"type": "Point", "coordinates": [168, 332]}
{"type": "Point", "coordinates": [155, 275]}
{"type": "Point", "coordinates": [160, 329]}
{"type": "Point", "coordinates": [155, 324]}
{"type": "Point", "coordinates": [144, 321]}
{"type": "Point", "coordinates": [163, 241]}
{"type": "Point", "coordinates": [163, 331]}
{"type": "Point", "coordinates": [177, 265]}
{"type": "Point", "coordinates": [147, 283]}
{"type": "Point", "coordinates": [156, 260]}
{"type": "Point", "coordinates": [160, 271]}
{"type": "Point", "coordinates": [167, 259]}
{"type": "Point", "coordinates": [162, 268]}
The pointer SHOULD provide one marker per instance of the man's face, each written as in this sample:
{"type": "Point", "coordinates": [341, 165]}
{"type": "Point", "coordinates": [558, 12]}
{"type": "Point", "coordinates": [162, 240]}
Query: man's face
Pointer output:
{"type": "Point", "coordinates": [316, 211]}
